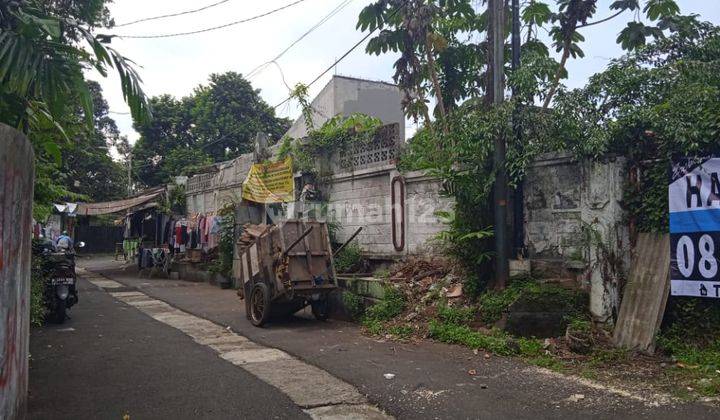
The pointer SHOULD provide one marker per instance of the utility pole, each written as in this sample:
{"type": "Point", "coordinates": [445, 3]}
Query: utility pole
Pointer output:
{"type": "Point", "coordinates": [129, 173]}
{"type": "Point", "coordinates": [497, 66]}
{"type": "Point", "coordinates": [515, 36]}
{"type": "Point", "coordinates": [518, 216]}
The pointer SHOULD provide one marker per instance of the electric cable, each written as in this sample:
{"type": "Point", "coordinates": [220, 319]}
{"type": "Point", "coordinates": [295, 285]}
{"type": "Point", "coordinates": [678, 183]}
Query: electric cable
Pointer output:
{"type": "Point", "coordinates": [363, 39]}
{"type": "Point", "coordinates": [187, 12]}
{"type": "Point", "coordinates": [327, 17]}
{"type": "Point", "coordinates": [213, 28]}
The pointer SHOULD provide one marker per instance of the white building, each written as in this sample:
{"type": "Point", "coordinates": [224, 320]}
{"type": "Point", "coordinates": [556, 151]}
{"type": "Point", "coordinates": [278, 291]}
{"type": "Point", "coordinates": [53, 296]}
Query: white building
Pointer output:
{"type": "Point", "coordinates": [345, 95]}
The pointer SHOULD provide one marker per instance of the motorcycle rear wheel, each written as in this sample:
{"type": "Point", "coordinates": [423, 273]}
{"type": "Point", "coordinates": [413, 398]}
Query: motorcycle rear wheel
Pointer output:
{"type": "Point", "coordinates": [59, 315]}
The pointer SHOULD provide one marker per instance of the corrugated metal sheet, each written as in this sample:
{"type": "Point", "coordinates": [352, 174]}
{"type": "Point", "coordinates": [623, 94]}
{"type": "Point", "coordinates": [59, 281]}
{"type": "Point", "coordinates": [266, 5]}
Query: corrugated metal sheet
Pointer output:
{"type": "Point", "coordinates": [646, 294]}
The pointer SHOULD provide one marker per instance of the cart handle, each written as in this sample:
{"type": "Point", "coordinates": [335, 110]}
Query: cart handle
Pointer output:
{"type": "Point", "coordinates": [297, 241]}
{"type": "Point", "coordinates": [337, 251]}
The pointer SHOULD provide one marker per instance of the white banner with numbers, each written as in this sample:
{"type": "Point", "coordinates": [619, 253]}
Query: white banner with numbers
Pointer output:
{"type": "Point", "coordinates": [694, 194]}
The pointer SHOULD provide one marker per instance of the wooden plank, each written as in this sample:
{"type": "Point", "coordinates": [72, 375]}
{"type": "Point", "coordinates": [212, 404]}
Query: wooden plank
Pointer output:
{"type": "Point", "coordinates": [302, 254]}
{"type": "Point", "coordinates": [308, 251]}
{"type": "Point", "coordinates": [646, 294]}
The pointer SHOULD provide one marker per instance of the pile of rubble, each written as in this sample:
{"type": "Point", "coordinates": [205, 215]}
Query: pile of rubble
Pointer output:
{"type": "Point", "coordinates": [426, 283]}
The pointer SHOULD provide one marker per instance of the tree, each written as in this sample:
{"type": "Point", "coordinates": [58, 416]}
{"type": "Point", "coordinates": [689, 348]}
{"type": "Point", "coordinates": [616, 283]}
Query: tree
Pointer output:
{"type": "Point", "coordinates": [86, 160]}
{"type": "Point", "coordinates": [415, 28]}
{"type": "Point", "coordinates": [229, 113]}
{"type": "Point", "coordinates": [443, 43]}
{"type": "Point", "coordinates": [44, 48]}
{"type": "Point", "coordinates": [171, 128]}
{"type": "Point", "coordinates": [660, 101]}
{"type": "Point", "coordinates": [217, 122]}
{"type": "Point", "coordinates": [85, 171]}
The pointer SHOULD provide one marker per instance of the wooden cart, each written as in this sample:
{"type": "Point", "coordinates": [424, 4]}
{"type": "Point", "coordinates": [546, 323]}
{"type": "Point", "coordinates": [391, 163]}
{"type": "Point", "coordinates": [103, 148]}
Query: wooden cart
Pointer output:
{"type": "Point", "coordinates": [284, 268]}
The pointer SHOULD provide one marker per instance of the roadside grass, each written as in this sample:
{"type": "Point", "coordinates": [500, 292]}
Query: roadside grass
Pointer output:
{"type": "Point", "coordinates": [697, 366]}
{"type": "Point", "coordinates": [403, 332]}
{"type": "Point", "coordinates": [690, 370]}
{"type": "Point", "coordinates": [391, 305]}
{"type": "Point", "coordinates": [353, 304]}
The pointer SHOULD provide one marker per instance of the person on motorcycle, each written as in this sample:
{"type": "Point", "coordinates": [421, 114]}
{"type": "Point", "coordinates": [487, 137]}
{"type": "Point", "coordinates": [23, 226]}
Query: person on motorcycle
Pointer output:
{"type": "Point", "coordinates": [64, 242]}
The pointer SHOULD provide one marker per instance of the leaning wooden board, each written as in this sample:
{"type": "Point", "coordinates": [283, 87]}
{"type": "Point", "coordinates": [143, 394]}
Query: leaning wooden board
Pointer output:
{"type": "Point", "coordinates": [646, 294]}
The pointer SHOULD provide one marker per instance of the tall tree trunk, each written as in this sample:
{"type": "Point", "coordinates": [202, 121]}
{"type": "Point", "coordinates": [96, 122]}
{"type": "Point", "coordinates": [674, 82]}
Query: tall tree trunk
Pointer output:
{"type": "Point", "coordinates": [436, 84]}
{"type": "Point", "coordinates": [558, 74]}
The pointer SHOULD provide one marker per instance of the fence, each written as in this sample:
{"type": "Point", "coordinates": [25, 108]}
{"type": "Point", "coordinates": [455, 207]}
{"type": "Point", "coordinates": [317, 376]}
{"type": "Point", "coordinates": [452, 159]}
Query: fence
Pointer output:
{"type": "Point", "coordinates": [98, 239]}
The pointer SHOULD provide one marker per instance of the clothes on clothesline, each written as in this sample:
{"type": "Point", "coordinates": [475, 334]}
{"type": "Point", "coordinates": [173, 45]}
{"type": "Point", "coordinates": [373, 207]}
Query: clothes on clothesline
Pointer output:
{"type": "Point", "coordinates": [196, 232]}
{"type": "Point", "coordinates": [131, 246]}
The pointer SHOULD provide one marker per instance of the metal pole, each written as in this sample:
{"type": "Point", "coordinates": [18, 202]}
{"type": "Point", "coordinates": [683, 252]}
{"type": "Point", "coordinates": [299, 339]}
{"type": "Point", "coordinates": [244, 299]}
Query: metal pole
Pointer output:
{"type": "Point", "coordinates": [497, 10]}
{"type": "Point", "coordinates": [515, 35]}
{"type": "Point", "coordinates": [130, 173]}
{"type": "Point", "coordinates": [297, 241]}
{"type": "Point", "coordinates": [337, 251]}
{"type": "Point", "coordinates": [518, 216]}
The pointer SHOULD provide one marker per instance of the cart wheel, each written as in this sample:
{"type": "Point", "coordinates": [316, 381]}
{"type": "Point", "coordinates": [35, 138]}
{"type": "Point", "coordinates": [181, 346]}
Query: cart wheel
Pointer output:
{"type": "Point", "coordinates": [259, 304]}
{"type": "Point", "coordinates": [321, 309]}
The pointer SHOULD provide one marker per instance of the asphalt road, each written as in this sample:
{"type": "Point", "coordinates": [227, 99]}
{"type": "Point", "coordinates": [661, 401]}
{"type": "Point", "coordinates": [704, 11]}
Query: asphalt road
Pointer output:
{"type": "Point", "coordinates": [110, 360]}
{"type": "Point", "coordinates": [121, 349]}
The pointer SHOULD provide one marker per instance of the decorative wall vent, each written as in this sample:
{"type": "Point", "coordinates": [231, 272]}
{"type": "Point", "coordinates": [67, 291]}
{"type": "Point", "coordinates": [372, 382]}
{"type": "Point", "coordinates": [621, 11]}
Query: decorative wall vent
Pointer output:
{"type": "Point", "coordinates": [382, 150]}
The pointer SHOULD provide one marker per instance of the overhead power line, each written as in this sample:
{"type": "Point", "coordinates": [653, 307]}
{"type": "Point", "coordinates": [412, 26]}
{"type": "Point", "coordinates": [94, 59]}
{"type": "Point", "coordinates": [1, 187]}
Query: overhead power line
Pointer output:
{"type": "Point", "coordinates": [327, 17]}
{"type": "Point", "coordinates": [213, 28]}
{"type": "Point", "coordinates": [187, 12]}
{"type": "Point", "coordinates": [357, 44]}
{"type": "Point", "coordinates": [315, 79]}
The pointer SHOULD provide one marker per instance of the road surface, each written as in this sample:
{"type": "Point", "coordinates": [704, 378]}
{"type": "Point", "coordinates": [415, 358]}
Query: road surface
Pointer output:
{"type": "Point", "coordinates": [137, 346]}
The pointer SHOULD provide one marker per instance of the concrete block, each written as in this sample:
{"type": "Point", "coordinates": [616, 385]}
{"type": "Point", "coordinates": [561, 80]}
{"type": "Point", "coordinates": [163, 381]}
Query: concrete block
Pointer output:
{"type": "Point", "coordinates": [519, 267]}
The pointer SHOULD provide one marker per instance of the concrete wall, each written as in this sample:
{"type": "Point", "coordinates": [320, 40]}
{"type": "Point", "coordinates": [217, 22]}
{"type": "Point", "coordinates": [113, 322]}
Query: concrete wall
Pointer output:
{"type": "Point", "coordinates": [16, 192]}
{"type": "Point", "coordinates": [574, 217]}
{"type": "Point", "coordinates": [364, 199]}
{"type": "Point", "coordinates": [358, 194]}
{"type": "Point", "coordinates": [346, 95]}
{"type": "Point", "coordinates": [208, 192]}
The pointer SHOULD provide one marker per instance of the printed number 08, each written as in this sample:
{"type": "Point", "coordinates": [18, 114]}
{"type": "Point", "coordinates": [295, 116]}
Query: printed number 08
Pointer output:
{"type": "Point", "coordinates": [708, 266]}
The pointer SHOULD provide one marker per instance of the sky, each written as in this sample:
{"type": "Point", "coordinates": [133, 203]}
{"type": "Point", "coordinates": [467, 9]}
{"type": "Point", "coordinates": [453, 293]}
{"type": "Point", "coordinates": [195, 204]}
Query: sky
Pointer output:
{"type": "Point", "coordinates": [179, 64]}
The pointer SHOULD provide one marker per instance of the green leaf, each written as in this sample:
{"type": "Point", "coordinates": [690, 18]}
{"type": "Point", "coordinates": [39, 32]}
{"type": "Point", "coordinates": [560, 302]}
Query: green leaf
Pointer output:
{"type": "Point", "coordinates": [49, 25]}
{"type": "Point", "coordinates": [536, 13]}
{"type": "Point", "coordinates": [625, 5]}
{"type": "Point", "coordinates": [655, 9]}
{"type": "Point", "coordinates": [633, 36]}
{"type": "Point", "coordinates": [52, 149]}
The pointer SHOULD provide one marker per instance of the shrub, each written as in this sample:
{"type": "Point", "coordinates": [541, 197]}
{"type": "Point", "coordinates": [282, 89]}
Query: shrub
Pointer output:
{"type": "Point", "coordinates": [530, 294]}
{"type": "Point", "coordinates": [353, 304]}
{"type": "Point", "coordinates": [391, 305]}
{"type": "Point", "coordinates": [401, 331]}
{"type": "Point", "coordinates": [456, 316]}
{"type": "Point", "coordinates": [462, 334]}
{"type": "Point", "coordinates": [37, 290]}
{"type": "Point", "coordinates": [349, 259]}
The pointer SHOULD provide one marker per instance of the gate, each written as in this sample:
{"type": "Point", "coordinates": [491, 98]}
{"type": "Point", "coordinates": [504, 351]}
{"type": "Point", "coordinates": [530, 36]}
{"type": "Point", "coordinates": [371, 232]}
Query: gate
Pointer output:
{"type": "Point", "coordinates": [98, 239]}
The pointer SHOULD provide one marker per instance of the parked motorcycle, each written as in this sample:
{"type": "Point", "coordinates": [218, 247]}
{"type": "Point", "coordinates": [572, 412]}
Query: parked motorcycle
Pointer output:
{"type": "Point", "coordinates": [61, 284]}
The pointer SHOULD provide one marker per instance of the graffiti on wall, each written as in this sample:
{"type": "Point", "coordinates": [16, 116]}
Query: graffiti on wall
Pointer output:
{"type": "Point", "coordinates": [16, 192]}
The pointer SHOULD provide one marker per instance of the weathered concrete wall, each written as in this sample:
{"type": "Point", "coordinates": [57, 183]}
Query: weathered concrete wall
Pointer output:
{"type": "Point", "coordinates": [424, 196]}
{"type": "Point", "coordinates": [358, 194]}
{"type": "Point", "coordinates": [573, 215]}
{"type": "Point", "coordinates": [362, 199]}
{"type": "Point", "coordinates": [209, 192]}
{"type": "Point", "coordinates": [16, 192]}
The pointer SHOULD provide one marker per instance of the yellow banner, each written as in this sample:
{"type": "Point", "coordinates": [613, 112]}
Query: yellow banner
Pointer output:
{"type": "Point", "coordinates": [270, 183]}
